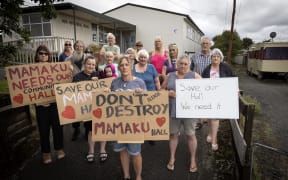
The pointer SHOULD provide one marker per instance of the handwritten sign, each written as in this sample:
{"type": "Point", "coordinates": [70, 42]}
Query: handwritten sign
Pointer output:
{"type": "Point", "coordinates": [130, 117]}
{"type": "Point", "coordinates": [207, 98]}
{"type": "Point", "coordinates": [33, 83]}
{"type": "Point", "coordinates": [74, 100]}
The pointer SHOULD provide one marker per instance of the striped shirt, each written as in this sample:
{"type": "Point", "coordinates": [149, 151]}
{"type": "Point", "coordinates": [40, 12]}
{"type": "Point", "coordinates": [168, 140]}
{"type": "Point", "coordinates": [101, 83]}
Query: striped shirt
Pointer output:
{"type": "Point", "coordinates": [200, 61]}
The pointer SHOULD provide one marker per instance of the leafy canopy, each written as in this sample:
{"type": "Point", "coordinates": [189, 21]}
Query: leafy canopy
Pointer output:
{"type": "Point", "coordinates": [10, 11]}
{"type": "Point", "coordinates": [222, 42]}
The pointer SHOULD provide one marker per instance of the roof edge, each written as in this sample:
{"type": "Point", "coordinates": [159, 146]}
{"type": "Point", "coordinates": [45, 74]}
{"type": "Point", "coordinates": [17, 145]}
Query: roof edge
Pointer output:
{"type": "Point", "coordinates": [166, 11]}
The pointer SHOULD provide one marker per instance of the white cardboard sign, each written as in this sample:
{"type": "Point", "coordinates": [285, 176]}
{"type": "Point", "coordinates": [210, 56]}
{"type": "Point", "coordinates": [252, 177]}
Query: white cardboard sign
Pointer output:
{"type": "Point", "coordinates": [207, 98]}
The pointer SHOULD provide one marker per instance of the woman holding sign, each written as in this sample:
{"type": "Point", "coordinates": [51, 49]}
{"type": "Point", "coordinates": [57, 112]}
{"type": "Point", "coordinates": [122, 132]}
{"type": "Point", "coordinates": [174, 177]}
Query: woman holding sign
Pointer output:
{"type": "Point", "coordinates": [47, 117]}
{"type": "Point", "coordinates": [217, 69]}
{"type": "Point", "coordinates": [127, 82]}
{"type": "Point", "coordinates": [183, 72]}
{"type": "Point", "coordinates": [89, 73]}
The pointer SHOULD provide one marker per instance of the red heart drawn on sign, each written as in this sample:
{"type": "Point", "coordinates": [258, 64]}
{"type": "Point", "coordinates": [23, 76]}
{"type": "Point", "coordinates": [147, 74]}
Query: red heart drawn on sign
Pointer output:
{"type": "Point", "coordinates": [160, 121]}
{"type": "Point", "coordinates": [18, 98]}
{"type": "Point", "coordinates": [68, 113]}
{"type": "Point", "coordinates": [97, 113]}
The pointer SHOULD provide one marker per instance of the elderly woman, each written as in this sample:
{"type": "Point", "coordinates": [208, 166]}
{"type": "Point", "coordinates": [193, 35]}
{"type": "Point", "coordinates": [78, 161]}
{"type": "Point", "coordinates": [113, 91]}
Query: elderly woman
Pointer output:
{"type": "Point", "coordinates": [66, 52]}
{"type": "Point", "coordinates": [217, 69]}
{"type": "Point", "coordinates": [132, 56]}
{"type": "Point", "coordinates": [110, 46]}
{"type": "Point", "coordinates": [128, 82]}
{"type": "Point", "coordinates": [109, 59]}
{"type": "Point", "coordinates": [146, 72]}
{"type": "Point", "coordinates": [47, 118]}
{"type": "Point", "coordinates": [183, 72]}
{"type": "Point", "coordinates": [170, 63]}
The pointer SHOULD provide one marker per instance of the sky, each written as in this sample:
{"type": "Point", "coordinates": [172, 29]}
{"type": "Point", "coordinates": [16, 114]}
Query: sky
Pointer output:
{"type": "Point", "coordinates": [254, 19]}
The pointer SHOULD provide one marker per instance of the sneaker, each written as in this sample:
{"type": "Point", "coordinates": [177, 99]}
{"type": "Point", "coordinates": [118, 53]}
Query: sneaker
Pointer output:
{"type": "Point", "coordinates": [75, 134]}
{"type": "Point", "coordinates": [46, 158]}
{"type": "Point", "coordinates": [60, 154]}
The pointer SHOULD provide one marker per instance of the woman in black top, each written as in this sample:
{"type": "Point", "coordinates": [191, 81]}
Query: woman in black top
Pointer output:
{"type": "Point", "coordinates": [47, 118]}
{"type": "Point", "coordinates": [89, 73]}
{"type": "Point", "coordinates": [217, 69]}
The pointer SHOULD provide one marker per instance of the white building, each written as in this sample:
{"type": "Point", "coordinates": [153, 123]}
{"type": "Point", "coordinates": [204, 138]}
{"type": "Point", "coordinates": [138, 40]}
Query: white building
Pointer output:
{"type": "Point", "coordinates": [73, 22]}
{"type": "Point", "coordinates": [151, 22]}
{"type": "Point", "coordinates": [128, 22]}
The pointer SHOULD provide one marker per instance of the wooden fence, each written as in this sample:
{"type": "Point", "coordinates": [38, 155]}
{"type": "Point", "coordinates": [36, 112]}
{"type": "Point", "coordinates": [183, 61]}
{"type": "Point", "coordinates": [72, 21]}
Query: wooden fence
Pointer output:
{"type": "Point", "coordinates": [242, 141]}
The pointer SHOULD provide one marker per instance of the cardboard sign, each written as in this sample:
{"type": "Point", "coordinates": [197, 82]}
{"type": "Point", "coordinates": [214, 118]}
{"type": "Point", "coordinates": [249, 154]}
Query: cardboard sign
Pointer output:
{"type": "Point", "coordinates": [207, 98]}
{"type": "Point", "coordinates": [74, 100]}
{"type": "Point", "coordinates": [130, 117]}
{"type": "Point", "coordinates": [33, 83]}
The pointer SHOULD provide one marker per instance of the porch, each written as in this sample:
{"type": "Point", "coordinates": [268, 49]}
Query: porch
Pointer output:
{"type": "Point", "coordinates": [25, 55]}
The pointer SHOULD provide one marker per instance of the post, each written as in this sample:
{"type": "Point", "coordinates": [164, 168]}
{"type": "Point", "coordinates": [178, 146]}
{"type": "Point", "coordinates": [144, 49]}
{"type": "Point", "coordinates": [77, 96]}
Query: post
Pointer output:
{"type": "Point", "coordinates": [74, 22]}
{"type": "Point", "coordinates": [231, 33]}
{"type": "Point", "coordinates": [248, 138]}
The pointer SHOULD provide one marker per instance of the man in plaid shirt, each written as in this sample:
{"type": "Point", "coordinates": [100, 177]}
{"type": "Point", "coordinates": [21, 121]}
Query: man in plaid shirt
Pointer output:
{"type": "Point", "coordinates": [200, 61]}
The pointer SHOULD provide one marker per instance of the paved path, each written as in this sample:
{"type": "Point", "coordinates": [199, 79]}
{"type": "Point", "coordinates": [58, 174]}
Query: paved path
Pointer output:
{"type": "Point", "coordinates": [75, 167]}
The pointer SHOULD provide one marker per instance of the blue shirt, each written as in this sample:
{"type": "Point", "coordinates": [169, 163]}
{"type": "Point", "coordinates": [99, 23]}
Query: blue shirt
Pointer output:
{"type": "Point", "coordinates": [147, 76]}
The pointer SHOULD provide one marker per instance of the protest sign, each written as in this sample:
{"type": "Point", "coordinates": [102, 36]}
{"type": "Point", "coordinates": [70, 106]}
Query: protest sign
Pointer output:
{"type": "Point", "coordinates": [74, 100]}
{"type": "Point", "coordinates": [33, 83]}
{"type": "Point", "coordinates": [130, 117]}
{"type": "Point", "coordinates": [207, 98]}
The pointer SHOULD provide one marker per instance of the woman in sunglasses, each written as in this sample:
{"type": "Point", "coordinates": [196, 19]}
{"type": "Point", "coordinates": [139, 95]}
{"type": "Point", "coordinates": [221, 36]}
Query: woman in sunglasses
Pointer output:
{"type": "Point", "coordinates": [66, 52]}
{"type": "Point", "coordinates": [47, 118]}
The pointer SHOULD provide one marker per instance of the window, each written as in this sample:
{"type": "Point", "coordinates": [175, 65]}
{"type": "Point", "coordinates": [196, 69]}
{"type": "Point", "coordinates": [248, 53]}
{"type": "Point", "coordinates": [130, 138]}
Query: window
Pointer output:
{"type": "Point", "coordinates": [189, 32]}
{"type": "Point", "coordinates": [37, 25]}
{"type": "Point", "coordinates": [278, 53]}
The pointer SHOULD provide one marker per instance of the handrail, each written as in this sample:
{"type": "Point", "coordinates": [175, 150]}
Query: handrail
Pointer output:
{"type": "Point", "coordinates": [276, 150]}
{"type": "Point", "coordinates": [280, 151]}
{"type": "Point", "coordinates": [244, 140]}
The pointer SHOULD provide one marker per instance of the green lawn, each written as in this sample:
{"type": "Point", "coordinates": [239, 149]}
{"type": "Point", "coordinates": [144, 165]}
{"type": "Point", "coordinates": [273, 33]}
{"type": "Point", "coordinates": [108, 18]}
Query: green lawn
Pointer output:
{"type": "Point", "coordinates": [4, 87]}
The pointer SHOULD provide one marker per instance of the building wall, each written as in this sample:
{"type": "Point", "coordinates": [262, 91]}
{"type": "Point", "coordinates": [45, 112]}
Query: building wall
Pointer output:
{"type": "Point", "coordinates": [63, 26]}
{"type": "Point", "coordinates": [151, 23]}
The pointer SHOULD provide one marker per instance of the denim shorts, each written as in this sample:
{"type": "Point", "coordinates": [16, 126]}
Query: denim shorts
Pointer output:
{"type": "Point", "coordinates": [133, 149]}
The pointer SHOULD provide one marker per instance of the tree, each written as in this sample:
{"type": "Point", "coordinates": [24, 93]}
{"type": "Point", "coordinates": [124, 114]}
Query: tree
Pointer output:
{"type": "Point", "coordinates": [222, 42]}
{"type": "Point", "coordinates": [10, 11]}
{"type": "Point", "coordinates": [246, 42]}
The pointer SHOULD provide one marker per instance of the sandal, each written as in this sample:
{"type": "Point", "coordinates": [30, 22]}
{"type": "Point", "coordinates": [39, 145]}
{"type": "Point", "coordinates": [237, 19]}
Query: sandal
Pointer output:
{"type": "Point", "coordinates": [170, 167]}
{"type": "Point", "coordinates": [103, 157]}
{"type": "Point", "coordinates": [193, 170]}
{"type": "Point", "coordinates": [214, 147]}
{"type": "Point", "coordinates": [209, 139]}
{"type": "Point", "coordinates": [90, 157]}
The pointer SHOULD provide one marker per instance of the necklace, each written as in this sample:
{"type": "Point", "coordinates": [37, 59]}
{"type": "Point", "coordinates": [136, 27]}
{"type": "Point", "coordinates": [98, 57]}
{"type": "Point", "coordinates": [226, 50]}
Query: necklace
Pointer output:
{"type": "Point", "coordinates": [124, 84]}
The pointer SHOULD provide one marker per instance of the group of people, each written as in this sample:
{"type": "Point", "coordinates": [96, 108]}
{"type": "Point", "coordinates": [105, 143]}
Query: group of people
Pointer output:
{"type": "Point", "coordinates": [137, 70]}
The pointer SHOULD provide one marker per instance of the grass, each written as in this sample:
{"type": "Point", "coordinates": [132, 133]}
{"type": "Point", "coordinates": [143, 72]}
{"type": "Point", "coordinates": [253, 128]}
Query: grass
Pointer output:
{"type": "Point", "coordinates": [254, 101]}
{"type": "Point", "coordinates": [4, 87]}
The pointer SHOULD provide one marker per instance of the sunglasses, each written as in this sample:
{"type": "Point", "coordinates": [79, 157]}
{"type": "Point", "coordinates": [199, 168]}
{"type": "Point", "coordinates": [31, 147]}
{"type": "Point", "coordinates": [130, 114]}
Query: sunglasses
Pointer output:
{"type": "Point", "coordinates": [43, 53]}
{"type": "Point", "coordinates": [68, 44]}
